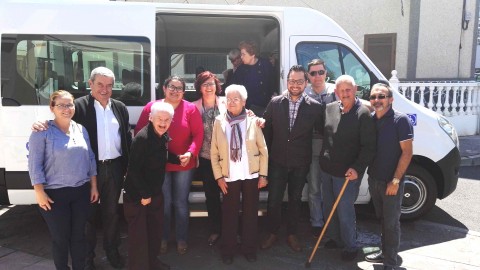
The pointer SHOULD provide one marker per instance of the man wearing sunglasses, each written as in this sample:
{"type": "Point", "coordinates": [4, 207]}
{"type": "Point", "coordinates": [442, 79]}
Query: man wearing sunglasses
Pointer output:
{"type": "Point", "coordinates": [229, 74]}
{"type": "Point", "coordinates": [385, 181]}
{"type": "Point", "coordinates": [349, 144]}
{"type": "Point", "coordinates": [322, 92]}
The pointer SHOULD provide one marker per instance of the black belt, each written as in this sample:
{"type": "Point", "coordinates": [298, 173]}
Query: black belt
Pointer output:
{"type": "Point", "coordinates": [108, 161]}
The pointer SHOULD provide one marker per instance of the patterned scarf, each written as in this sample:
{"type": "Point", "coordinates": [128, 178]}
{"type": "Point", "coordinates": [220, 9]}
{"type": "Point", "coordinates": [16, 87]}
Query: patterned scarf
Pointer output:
{"type": "Point", "coordinates": [236, 136]}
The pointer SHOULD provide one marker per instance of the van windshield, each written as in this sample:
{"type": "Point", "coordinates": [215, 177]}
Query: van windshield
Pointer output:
{"type": "Point", "coordinates": [339, 60]}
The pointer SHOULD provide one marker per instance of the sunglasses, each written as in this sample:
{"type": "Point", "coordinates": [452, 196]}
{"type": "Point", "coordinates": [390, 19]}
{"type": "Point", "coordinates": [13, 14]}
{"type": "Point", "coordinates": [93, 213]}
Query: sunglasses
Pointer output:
{"type": "Point", "coordinates": [314, 73]}
{"type": "Point", "coordinates": [379, 96]}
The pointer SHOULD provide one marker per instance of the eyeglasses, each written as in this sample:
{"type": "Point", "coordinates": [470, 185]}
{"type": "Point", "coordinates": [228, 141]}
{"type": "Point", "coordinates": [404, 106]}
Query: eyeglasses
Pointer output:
{"type": "Point", "coordinates": [379, 96]}
{"type": "Point", "coordinates": [314, 73]}
{"type": "Point", "coordinates": [207, 84]}
{"type": "Point", "coordinates": [297, 82]}
{"type": "Point", "coordinates": [234, 100]}
{"type": "Point", "coordinates": [65, 106]}
{"type": "Point", "coordinates": [174, 88]}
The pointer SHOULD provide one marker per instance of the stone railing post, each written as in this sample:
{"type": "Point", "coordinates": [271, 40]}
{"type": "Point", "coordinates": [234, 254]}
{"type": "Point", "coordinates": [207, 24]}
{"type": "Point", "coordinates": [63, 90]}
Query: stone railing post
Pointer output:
{"type": "Point", "coordinates": [394, 81]}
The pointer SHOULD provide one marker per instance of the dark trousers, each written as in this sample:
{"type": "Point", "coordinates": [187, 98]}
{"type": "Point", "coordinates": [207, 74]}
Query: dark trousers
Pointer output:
{"type": "Point", "coordinates": [279, 177]}
{"type": "Point", "coordinates": [248, 190]}
{"type": "Point", "coordinates": [109, 183]}
{"type": "Point", "coordinates": [66, 223]}
{"type": "Point", "coordinates": [343, 225]}
{"type": "Point", "coordinates": [212, 194]}
{"type": "Point", "coordinates": [388, 210]}
{"type": "Point", "coordinates": [144, 232]}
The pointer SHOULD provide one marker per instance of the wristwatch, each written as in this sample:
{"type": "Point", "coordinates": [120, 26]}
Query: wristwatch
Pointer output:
{"type": "Point", "coordinates": [396, 181]}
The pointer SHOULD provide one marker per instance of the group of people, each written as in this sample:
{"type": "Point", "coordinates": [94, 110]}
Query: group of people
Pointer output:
{"type": "Point", "coordinates": [320, 133]}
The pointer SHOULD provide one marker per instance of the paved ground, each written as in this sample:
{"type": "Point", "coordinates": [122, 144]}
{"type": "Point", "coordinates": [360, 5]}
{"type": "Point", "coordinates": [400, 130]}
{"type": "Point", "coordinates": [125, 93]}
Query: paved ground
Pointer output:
{"type": "Point", "coordinates": [25, 244]}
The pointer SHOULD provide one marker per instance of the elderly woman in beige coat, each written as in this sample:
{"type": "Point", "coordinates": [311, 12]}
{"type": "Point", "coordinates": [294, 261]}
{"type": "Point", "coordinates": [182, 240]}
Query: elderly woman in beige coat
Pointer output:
{"type": "Point", "coordinates": [240, 164]}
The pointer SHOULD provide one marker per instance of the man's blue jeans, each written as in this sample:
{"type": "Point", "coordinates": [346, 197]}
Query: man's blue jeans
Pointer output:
{"type": "Point", "coordinates": [315, 186]}
{"type": "Point", "coordinates": [388, 210]}
{"type": "Point", "coordinates": [176, 188]}
{"type": "Point", "coordinates": [279, 177]}
{"type": "Point", "coordinates": [342, 228]}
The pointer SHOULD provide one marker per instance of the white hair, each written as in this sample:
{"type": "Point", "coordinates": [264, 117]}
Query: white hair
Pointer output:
{"type": "Point", "coordinates": [102, 71]}
{"type": "Point", "coordinates": [345, 79]}
{"type": "Point", "coordinates": [235, 88]}
{"type": "Point", "coordinates": [161, 106]}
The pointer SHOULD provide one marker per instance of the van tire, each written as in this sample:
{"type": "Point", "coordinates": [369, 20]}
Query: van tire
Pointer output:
{"type": "Point", "coordinates": [420, 193]}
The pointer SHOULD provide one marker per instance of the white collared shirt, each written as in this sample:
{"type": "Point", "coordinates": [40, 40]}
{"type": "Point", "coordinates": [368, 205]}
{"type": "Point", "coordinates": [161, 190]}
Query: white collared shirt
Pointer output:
{"type": "Point", "coordinates": [108, 132]}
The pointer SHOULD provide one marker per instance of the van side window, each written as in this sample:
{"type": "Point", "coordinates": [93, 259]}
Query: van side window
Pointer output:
{"type": "Point", "coordinates": [42, 64]}
{"type": "Point", "coordinates": [339, 60]}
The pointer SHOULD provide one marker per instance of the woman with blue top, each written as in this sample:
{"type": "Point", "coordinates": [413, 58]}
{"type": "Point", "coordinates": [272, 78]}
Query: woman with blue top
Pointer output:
{"type": "Point", "coordinates": [63, 172]}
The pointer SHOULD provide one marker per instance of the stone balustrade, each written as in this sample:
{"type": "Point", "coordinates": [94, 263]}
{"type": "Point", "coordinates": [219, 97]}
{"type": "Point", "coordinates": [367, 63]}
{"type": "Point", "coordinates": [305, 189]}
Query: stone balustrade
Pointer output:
{"type": "Point", "coordinates": [458, 101]}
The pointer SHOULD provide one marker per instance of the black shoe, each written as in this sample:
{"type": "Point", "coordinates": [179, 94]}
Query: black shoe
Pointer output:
{"type": "Point", "coordinates": [115, 259]}
{"type": "Point", "coordinates": [89, 265]}
{"type": "Point", "coordinates": [376, 257]}
{"type": "Point", "coordinates": [316, 231]}
{"type": "Point", "coordinates": [386, 267]}
{"type": "Point", "coordinates": [227, 259]}
{"type": "Point", "coordinates": [331, 244]}
{"type": "Point", "coordinates": [159, 265]}
{"type": "Point", "coordinates": [348, 255]}
{"type": "Point", "coordinates": [213, 239]}
{"type": "Point", "coordinates": [251, 257]}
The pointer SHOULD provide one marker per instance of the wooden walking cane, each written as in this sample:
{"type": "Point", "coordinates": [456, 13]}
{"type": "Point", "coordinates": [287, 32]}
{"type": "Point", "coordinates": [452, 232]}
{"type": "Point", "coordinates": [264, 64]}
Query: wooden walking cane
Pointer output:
{"type": "Point", "coordinates": [307, 264]}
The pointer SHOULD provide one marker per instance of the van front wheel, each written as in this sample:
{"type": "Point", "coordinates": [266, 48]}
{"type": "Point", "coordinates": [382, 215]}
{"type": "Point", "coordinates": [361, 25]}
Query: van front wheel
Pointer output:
{"type": "Point", "coordinates": [420, 193]}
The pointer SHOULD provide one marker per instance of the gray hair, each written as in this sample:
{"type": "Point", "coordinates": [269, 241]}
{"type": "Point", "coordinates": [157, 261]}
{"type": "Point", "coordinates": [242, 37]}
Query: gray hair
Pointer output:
{"type": "Point", "coordinates": [102, 71]}
{"type": "Point", "coordinates": [386, 85]}
{"type": "Point", "coordinates": [345, 79]}
{"type": "Point", "coordinates": [161, 106]}
{"type": "Point", "coordinates": [234, 53]}
{"type": "Point", "coordinates": [235, 88]}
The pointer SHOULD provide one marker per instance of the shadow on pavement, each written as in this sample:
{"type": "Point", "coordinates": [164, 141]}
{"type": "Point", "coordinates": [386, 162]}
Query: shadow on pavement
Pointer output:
{"type": "Point", "coordinates": [23, 229]}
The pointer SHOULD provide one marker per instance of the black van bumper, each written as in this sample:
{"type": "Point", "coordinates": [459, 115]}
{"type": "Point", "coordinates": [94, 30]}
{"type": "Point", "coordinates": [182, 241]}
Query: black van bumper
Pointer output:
{"type": "Point", "coordinates": [449, 166]}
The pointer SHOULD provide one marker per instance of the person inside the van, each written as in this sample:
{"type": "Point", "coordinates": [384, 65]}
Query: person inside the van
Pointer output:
{"type": "Point", "coordinates": [289, 122]}
{"type": "Point", "coordinates": [349, 145]}
{"type": "Point", "coordinates": [110, 139]}
{"type": "Point", "coordinates": [186, 132]}
{"type": "Point", "coordinates": [131, 94]}
{"type": "Point", "coordinates": [257, 75]}
{"type": "Point", "coordinates": [210, 106]}
{"type": "Point", "coordinates": [322, 92]}
{"type": "Point", "coordinates": [63, 171]}
{"type": "Point", "coordinates": [143, 198]}
{"type": "Point", "coordinates": [239, 159]}
{"type": "Point", "coordinates": [386, 173]}
{"type": "Point", "coordinates": [229, 74]}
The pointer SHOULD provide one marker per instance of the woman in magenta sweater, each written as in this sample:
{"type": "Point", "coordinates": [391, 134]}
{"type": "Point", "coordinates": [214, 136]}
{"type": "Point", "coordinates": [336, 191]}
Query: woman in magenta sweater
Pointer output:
{"type": "Point", "coordinates": [186, 133]}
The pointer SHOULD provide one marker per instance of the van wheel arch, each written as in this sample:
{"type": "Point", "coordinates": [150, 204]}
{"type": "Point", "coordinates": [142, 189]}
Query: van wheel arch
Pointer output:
{"type": "Point", "coordinates": [420, 193]}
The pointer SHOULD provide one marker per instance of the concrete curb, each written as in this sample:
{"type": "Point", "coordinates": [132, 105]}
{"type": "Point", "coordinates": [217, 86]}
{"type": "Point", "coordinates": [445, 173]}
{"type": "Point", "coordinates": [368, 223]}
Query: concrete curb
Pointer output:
{"type": "Point", "coordinates": [470, 161]}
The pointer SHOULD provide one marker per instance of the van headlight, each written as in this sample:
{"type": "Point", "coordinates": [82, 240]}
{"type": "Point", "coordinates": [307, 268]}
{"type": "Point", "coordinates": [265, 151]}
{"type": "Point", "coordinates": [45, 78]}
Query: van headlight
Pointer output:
{"type": "Point", "coordinates": [449, 129]}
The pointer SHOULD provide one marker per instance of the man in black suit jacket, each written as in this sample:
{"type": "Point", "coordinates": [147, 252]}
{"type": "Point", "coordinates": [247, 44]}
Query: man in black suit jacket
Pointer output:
{"type": "Point", "coordinates": [107, 123]}
{"type": "Point", "coordinates": [289, 122]}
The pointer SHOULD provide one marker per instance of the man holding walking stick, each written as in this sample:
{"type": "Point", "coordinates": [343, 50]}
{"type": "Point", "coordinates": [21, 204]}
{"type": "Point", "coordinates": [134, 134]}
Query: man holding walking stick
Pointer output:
{"type": "Point", "coordinates": [385, 181]}
{"type": "Point", "coordinates": [349, 143]}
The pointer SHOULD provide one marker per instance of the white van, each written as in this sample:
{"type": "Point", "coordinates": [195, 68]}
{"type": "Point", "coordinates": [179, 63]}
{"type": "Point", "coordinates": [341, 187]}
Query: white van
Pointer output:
{"type": "Point", "coordinates": [49, 46]}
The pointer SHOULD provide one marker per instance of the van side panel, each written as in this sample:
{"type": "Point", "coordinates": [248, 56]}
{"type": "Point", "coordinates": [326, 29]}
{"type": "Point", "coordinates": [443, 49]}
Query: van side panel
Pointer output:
{"type": "Point", "coordinates": [31, 26]}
